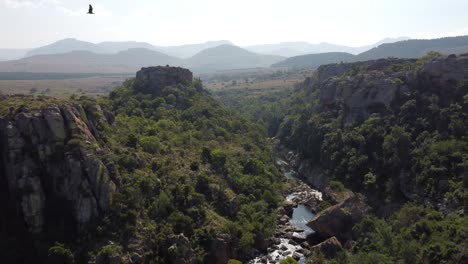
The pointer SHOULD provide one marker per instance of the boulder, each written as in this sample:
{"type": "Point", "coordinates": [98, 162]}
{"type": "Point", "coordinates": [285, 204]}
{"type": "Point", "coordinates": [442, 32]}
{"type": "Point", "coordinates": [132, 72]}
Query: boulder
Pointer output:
{"type": "Point", "coordinates": [328, 248]}
{"type": "Point", "coordinates": [339, 219]}
{"type": "Point", "coordinates": [298, 238]}
{"type": "Point", "coordinates": [288, 208]}
{"type": "Point", "coordinates": [152, 80]}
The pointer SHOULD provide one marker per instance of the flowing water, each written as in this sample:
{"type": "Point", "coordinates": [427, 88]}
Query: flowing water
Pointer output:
{"type": "Point", "coordinates": [301, 215]}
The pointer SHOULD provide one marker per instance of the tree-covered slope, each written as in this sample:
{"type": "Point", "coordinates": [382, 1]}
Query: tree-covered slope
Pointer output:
{"type": "Point", "coordinates": [394, 130]}
{"type": "Point", "coordinates": [191, 182]}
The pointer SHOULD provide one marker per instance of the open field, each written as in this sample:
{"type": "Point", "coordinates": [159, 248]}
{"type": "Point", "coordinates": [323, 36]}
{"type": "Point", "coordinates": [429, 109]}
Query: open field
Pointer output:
{"type": "Point", "coordinates": [90, 86]}
{"type": "Point", "coordinates": [272, 80]}
{"type": "Point", "coordinates": [251, 82]}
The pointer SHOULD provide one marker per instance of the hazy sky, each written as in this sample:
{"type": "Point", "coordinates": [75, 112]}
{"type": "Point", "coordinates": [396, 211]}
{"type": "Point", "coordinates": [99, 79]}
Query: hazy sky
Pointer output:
{"type": "Point", "coordinates": [32, 23]}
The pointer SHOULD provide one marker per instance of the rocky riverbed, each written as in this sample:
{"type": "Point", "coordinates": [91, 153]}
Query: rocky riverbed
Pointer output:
{"type": "Point", "coordinates": [290, 238]}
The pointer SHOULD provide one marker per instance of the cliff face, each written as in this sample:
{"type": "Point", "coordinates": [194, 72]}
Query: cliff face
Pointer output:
{"type": "Point", "coordinates": [370, 87]}
{"type": "Point", "coordinates": [152, 80]}
{"type": "Point", "coordinates": [390, 121]}
{"type": "Point", "coordinates": [51, 163]}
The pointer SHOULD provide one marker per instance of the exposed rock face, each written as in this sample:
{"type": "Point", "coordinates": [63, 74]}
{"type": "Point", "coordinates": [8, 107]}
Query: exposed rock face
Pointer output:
{"type": "Point", "coordinates": [370, 87]}
{"type": "Point", "coordinates": [328, 248]}
{"type": "Point", "coordinates": [50, 161]}
{"type": "Point", "coordinates": [153, 80]}
{"type": "Point", "coordinates": [312, 175]}
{"type": "Point", "coordinates": [339, 219]}
{"type": "Point", "coordinates": [222, 249]}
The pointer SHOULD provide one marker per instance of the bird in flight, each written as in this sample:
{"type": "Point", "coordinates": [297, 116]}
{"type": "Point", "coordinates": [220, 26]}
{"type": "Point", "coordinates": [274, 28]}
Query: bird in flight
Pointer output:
{"type": "Point", "coordinates": [90, 10]}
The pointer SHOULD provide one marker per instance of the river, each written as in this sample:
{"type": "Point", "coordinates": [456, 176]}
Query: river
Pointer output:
{"type": "Point", "coordinates": [291, 231]}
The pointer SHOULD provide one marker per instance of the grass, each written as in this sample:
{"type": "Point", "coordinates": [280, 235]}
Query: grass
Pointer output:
{"type": "Point", "coordinates": [31, 102]}
{"type": "Point", "coordinates": [92, 86]}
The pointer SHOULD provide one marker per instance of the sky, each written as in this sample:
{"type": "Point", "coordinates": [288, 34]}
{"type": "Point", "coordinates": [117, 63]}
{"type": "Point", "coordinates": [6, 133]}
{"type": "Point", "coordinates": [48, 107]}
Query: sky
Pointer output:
{"type": "Point", "coordinates": [33, 23]}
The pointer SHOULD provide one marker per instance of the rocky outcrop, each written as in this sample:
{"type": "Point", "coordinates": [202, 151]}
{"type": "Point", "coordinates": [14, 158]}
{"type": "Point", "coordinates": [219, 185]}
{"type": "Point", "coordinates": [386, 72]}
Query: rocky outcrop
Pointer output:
{"type": "Point", "coordinates": [366, 88]}
{"type": "Point", "coordinates": [180, 250]}
{"type": "Point", "coordinates": [338, 220]}
{"type": "Point", "coordinates": [310, 174]}
{"type": "Point", "coordinates": [52, 163]}
{"type": "Point", "coordinates": [328, 248]}
{"type": "Point", "coordinates": [153, 80]}
{"type": "Point", "coordinates": [222, 249]}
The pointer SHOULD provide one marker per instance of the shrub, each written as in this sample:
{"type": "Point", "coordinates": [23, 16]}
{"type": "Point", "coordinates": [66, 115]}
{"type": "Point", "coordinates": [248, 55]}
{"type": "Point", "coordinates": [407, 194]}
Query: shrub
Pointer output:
{"type": "Point", "coordinates": [107, 252]}
{"type": "Point", "coordinates": [288, 260]}
{"type": "Point", "coordinates": [59, 254]}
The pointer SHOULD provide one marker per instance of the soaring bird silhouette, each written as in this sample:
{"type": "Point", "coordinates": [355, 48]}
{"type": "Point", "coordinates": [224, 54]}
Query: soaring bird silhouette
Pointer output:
{"type": "Point", "coordinates": [90, 10]}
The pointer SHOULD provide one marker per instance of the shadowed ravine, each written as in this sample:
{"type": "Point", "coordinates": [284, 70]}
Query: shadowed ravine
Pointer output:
{"type": "Point", "coordinates": [288, 243]}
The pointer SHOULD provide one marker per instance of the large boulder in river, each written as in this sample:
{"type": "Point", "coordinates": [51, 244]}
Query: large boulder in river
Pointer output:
{"type": "Point", "coordinates": [339, 219]}
{"type": "Point", "coordinates": [152, 80]}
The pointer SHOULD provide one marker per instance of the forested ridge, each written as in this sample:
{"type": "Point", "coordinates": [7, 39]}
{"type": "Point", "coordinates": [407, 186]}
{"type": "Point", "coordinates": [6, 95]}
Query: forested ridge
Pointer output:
{"type": "Point", "coordinates": [161, 172]}
{"type": "Point", "coordinates": [393, 130]}
{"type": "Point", "coordinates": [194, 182]}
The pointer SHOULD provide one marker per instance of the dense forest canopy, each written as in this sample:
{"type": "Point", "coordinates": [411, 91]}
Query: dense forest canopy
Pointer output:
{"type": "Point", "coordinates": [194, 179]}
{"type": "Point", "coordinates": [393, 130]}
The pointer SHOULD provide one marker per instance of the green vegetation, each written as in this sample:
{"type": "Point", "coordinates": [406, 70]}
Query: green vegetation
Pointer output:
{"type": "Point", "coordinates": [288, 260]}
{"type": "Point", "coordinates": [30, 102]}
{"type": "Point", "coordinates": [59, 254]}
{"type": "Point", "coordinates": [187, 166]}
{"type": "Point", "coordinates": [414, 234]}
{"type": "Point", "coordinates": [412, 150]}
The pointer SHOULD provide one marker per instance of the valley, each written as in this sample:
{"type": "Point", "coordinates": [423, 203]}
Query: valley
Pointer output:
{"type": "Point", "coordinates": [160, 153]}
{"type": "Point", "coordinates": [233, 132]}
{"type": "Point", "coordinates": [336, 163]}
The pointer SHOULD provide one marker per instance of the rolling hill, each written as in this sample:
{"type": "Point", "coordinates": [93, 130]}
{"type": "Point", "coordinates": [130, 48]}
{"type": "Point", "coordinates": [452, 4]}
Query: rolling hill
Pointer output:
{"type": "Point", "coordinates": [65, 46]}
{"type": "Point", "coordinates": [12, 54]}
{"type": "Point", "coordinates": [414, 48]}
{"type": "Point", "coordinates": [89, 62]}
{"type": "Point", "coordinates": [116, 46]}
{"type": "Point", "coordinates": [189, 50]}
{"type": "Point", "coordinates": [226, 57]}
{"type": "Point", "coordinates": [70, 45]}
{"type": "Point", "coordinates": [315, 60]}
{"type": "Point", "coordinates": [223, 57]}
{"type": "Point", "coordinates": [290, 49]}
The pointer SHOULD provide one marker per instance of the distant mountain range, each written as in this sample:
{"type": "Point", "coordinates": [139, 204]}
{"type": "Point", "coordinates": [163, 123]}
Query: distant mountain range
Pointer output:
{"type": "Point", "coordinates": [107, 47]}
{"type": "Point", "coordinates": [413, 48]}
{"type": "Point", "coordinates": [75, 56]}
{"type": "Point", "coordinates": [290, 49]}
{"type": "Point", "coordinates": [88, 62]}
{"type": "Point", "coordinates": [286, 49]}
{"type": "Point", "coordinates": [12, 54]}
{"type": "Point", "coordinates": [223, 57]}
{"type": "Point", "coordinates": [227, 57]}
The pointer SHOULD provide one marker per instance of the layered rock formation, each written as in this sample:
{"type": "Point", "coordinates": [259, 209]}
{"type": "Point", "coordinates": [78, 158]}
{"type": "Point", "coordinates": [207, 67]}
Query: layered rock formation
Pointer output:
{"type": "Point", "coordinates": [52, 164]}
{"type": "Point", "coordinates": [370, 87]}
{"type": "Point", "coordinates": [153, 80]}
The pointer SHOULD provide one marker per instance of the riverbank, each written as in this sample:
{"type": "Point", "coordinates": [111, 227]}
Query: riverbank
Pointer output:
{"type": "Point", "coordinates": [290, 237]}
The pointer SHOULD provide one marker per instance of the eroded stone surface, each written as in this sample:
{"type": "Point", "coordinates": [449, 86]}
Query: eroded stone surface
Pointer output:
{"type": "Point", "coordinates": [46, 157]}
